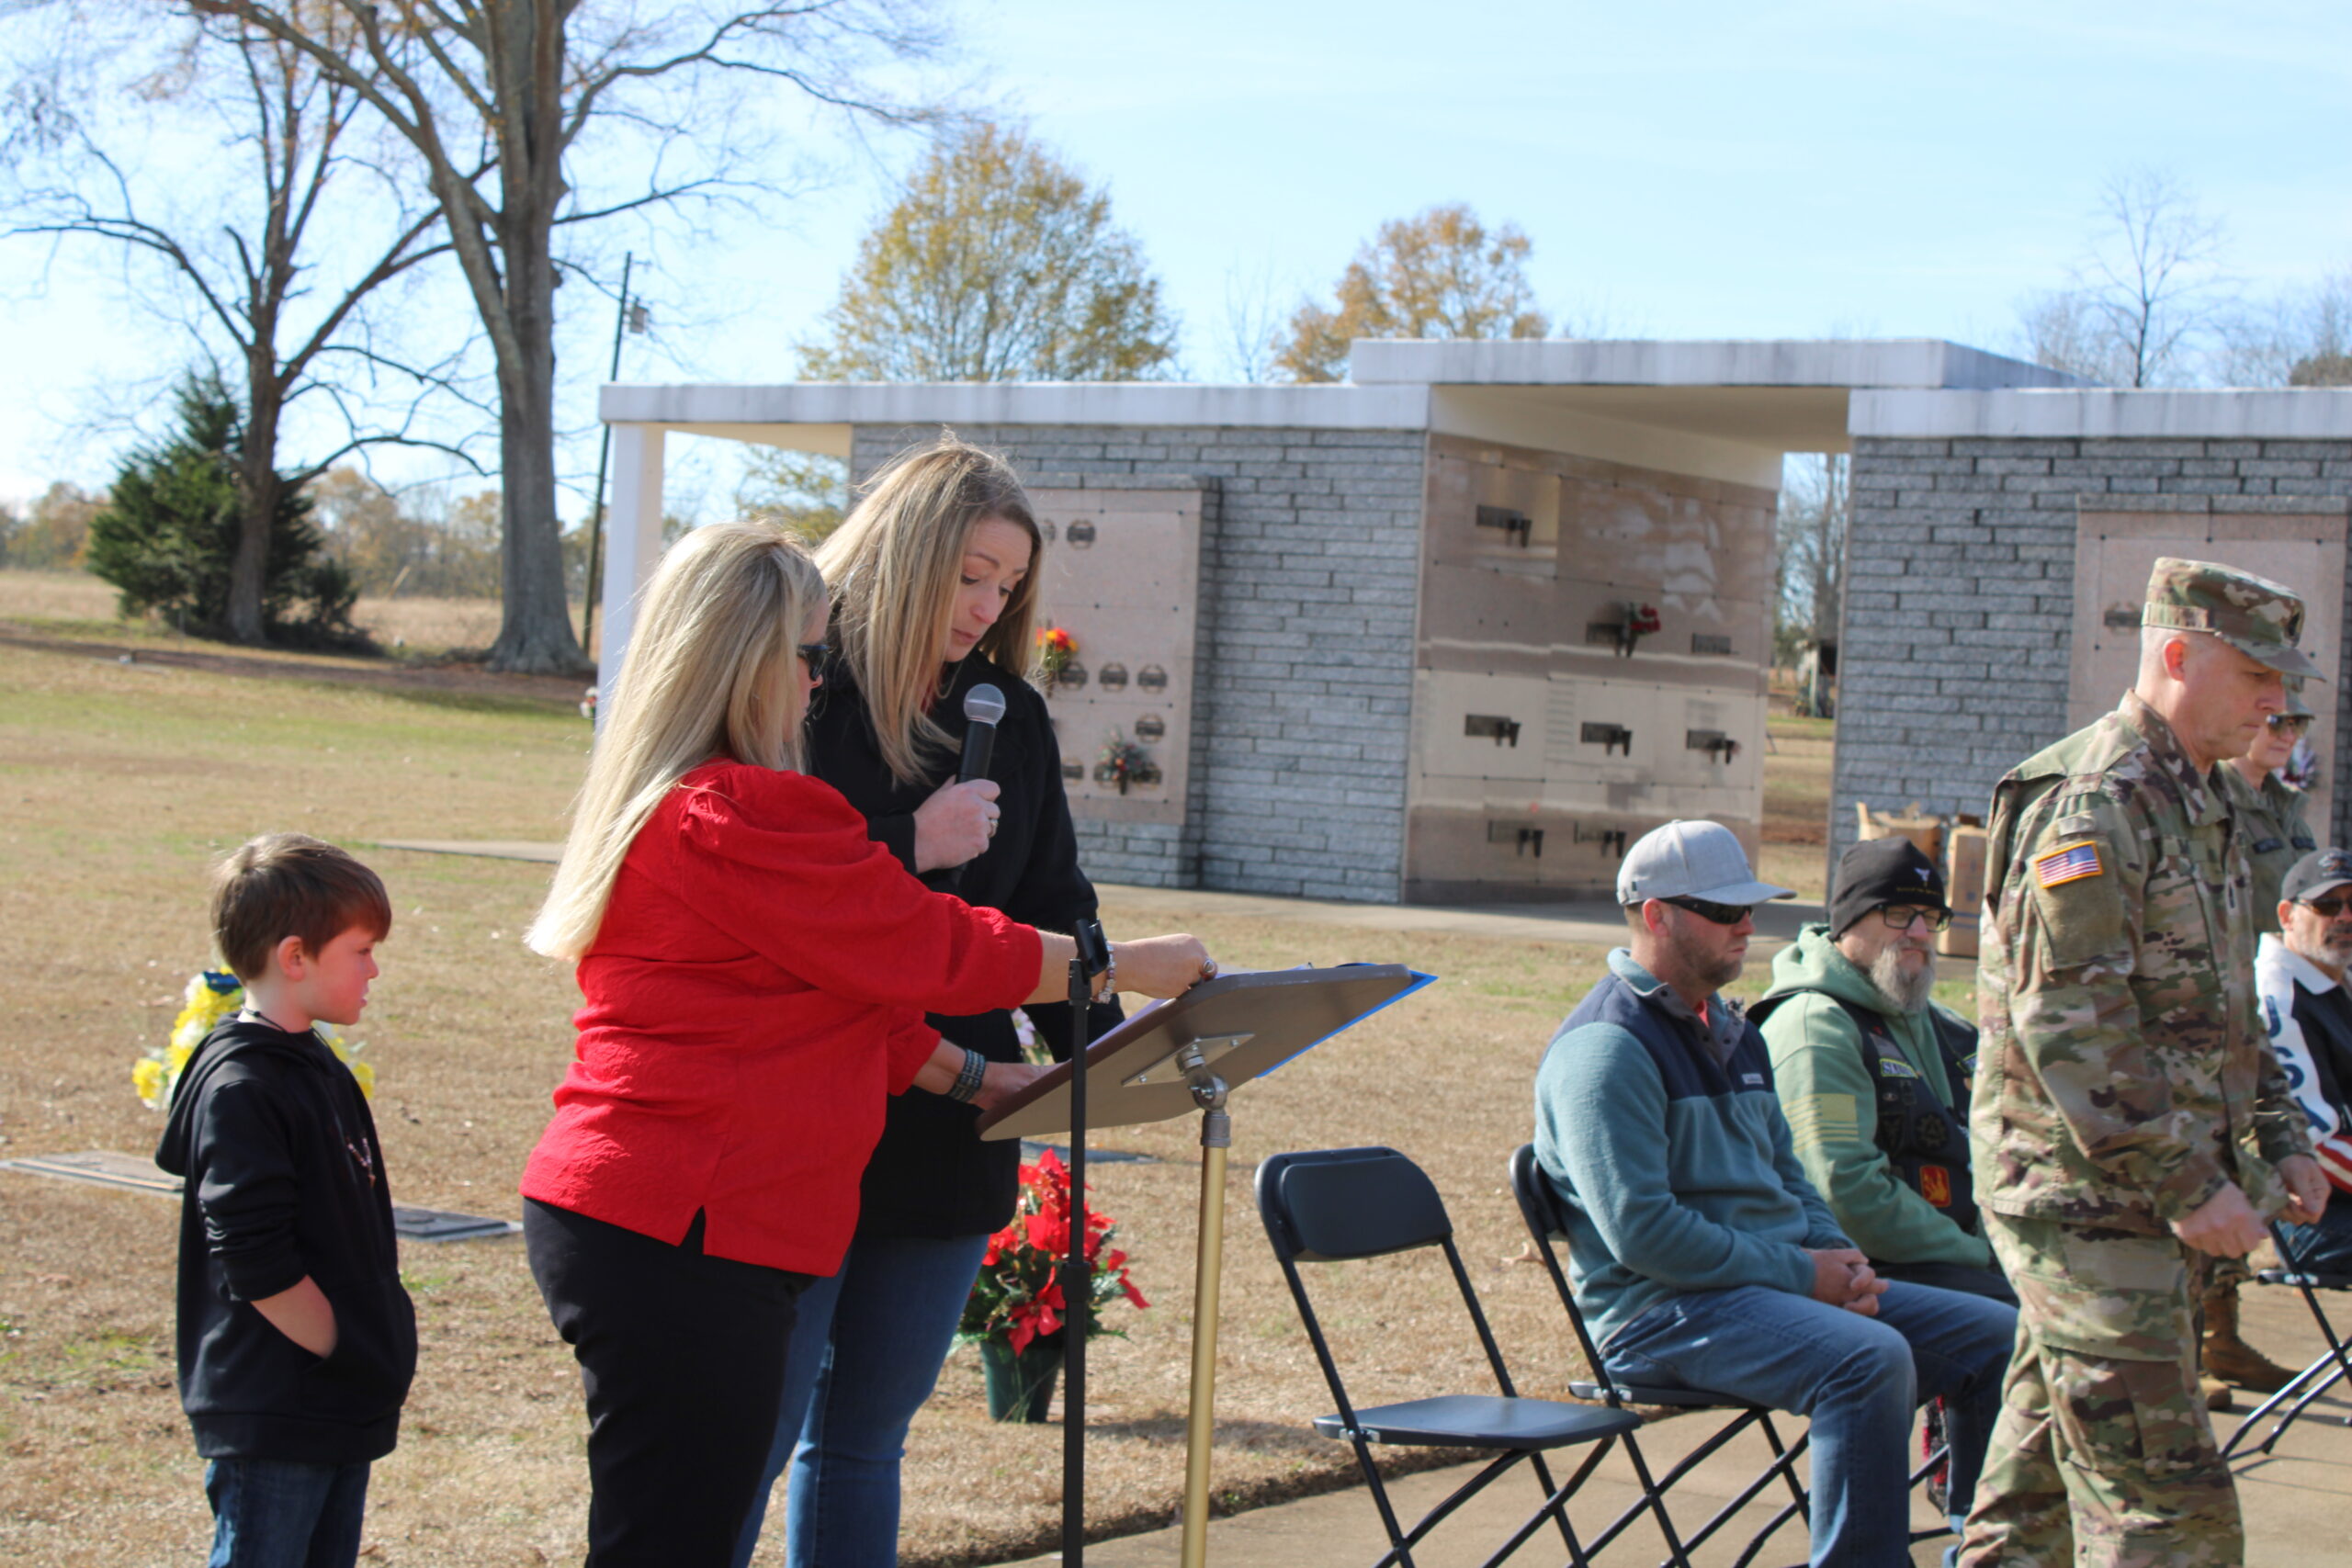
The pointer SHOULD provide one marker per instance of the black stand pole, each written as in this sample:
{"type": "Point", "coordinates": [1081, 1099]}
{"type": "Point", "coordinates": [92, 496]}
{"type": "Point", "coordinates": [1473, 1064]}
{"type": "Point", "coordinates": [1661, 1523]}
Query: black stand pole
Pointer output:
{"type": "Point", "coordinates": [1093, 956]}
{"type": "Point", "coordinates": [593, 588]}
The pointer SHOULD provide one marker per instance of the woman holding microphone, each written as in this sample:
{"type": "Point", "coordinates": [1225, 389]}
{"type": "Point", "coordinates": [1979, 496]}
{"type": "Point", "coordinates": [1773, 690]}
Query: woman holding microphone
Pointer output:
{"type": "Point", "coordinates": [755, 971]}
{"type": "Point", "coordinates": [934, 585]}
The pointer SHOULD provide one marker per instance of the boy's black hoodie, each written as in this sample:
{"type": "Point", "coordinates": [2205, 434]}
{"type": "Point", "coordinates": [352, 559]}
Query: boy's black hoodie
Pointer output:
{"type": "Point", "coordinates": [285, 1179]}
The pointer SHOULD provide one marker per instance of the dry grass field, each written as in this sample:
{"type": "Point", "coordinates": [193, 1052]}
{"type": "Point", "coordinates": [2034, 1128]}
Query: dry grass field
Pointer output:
{"type": "Point", "coordinates": [76, 602]}
{"type": "Point", "coordinates": [118, 782]}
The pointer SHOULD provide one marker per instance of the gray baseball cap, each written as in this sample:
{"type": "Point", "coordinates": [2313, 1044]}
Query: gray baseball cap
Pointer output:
{"type": "Point", "coordinates": [1692, 860]}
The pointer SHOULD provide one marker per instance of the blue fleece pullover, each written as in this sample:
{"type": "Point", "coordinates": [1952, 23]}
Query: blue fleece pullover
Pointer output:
{"type": "Point", "coordinates": [1661, 1131]}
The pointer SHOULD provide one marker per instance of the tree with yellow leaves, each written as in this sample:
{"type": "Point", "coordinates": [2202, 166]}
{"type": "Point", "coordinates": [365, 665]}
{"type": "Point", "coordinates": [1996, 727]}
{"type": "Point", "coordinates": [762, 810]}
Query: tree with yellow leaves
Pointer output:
{"type": "Point", "coordinates": [1439, 275]}
{"type": "Point", "coordinates": [996, 264]}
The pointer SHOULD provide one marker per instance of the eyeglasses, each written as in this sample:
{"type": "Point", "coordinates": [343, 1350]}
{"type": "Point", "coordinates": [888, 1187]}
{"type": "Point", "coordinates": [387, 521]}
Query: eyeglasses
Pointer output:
{"type": "Point", "coordinates": [2290, 723]}
{"type": "Point", "coordinates": [1904, 917]}
{"type": "Point", "coordinates": [2326, 908]}
{"type": "Point", "coordinates": [814, 655]}
{"type": "Point", "coordinates": [1708, 909]}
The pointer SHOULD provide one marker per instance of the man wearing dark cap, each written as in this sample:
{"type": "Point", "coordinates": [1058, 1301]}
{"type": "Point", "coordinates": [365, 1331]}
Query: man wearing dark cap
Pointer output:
{"type": "Point", "coordinates": [2128, 1122]}
{"type": "Point", "coordinates": [2300, 973]}
{"type": "Point", "coordinates": [1873, 1077]}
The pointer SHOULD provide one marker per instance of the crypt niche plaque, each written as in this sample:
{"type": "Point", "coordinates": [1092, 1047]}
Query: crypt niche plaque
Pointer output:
{"type": "Point", "coordinates": [1121, 573]}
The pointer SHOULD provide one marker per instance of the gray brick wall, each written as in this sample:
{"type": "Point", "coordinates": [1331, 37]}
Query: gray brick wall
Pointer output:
{"type": "Point", "coordinates": [1310, 545]}
{"type": "Point", "coordinates": [1959, 592]}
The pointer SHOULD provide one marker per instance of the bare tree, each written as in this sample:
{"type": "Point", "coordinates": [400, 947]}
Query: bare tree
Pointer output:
{"type": "Point", "coordinates": [1809, 553]}
{"type": "Point", "coordinates": [495, 96]}
{"type": "Point", "coordinates": [1251, 328]}
{"type": "Point", "coordinates": [2148, 294]}
{"type": "Point", "coordinates": [2301, 338]}
{"type": "Point", "coordinates": [249, 250]}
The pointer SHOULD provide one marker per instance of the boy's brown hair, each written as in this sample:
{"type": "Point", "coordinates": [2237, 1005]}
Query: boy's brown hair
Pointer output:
{"type": "Point", "coordinates": [284, 885]}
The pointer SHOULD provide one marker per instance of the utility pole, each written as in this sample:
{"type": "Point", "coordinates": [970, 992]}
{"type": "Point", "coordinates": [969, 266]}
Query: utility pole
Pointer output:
{"type": "Point", "coordinates": [627, 318]}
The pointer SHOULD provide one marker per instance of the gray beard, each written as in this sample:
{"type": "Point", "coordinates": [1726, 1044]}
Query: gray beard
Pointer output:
{"type": "Point", "coordinates": [1908, 993]}
{"type": "Point", "coordinates": [2330, 952]}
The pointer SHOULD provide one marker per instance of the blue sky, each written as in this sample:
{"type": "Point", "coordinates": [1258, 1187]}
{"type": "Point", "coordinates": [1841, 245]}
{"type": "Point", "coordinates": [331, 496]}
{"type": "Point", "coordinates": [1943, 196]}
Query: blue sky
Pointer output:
{"type": "Point", "coordinates": [1691, 170]}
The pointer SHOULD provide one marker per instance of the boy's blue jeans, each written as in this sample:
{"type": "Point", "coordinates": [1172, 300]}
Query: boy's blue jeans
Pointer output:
{"type": "Point", "coordinates": [1859, 1380]}
{"type": "Point", "coordinates": [270, 1513]}
{"type": "Point", "coordinates": [866, 1351]}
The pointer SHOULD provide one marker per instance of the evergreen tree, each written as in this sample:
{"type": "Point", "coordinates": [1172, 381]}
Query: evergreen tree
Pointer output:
{"type": "Point", "coordinates": [169, 530]}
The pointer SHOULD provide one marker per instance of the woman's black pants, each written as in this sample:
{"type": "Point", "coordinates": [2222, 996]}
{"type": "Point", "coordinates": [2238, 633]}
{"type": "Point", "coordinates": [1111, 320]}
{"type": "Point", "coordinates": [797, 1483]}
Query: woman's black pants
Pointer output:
{"type": "Point", "coordinates": [681, 1357]}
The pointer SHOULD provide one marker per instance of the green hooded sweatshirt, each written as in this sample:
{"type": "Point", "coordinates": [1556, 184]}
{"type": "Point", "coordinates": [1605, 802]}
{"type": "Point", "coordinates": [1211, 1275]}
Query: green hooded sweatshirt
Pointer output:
{"type": "Point", "coordinates": [1831, 1105]}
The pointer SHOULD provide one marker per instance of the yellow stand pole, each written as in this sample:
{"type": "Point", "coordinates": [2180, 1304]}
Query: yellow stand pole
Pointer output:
{"type": "Point", "coordinates": [1208, 1267]}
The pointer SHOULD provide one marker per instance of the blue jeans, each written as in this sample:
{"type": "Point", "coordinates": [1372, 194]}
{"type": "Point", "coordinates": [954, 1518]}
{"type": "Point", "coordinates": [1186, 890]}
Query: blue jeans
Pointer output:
{"type": "Point", "coordinates": [1857, 1379]}
{"type": "Point", "coordinates": [270, 1512]}
{"type": "Point", "coordinates": [864, 1356]}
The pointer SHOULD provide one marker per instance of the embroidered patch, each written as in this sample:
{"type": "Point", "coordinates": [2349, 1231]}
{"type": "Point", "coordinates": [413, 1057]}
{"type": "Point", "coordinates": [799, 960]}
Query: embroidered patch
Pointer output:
{"type": "Point", "coordinates": [1888, 1067]}
{"type": "Point", "coordinates": [1935, 1185]}
{"type": "Point", "coordinates": [2067, 862]}
{"type": "Point", "coordinates": [1752, 1081]}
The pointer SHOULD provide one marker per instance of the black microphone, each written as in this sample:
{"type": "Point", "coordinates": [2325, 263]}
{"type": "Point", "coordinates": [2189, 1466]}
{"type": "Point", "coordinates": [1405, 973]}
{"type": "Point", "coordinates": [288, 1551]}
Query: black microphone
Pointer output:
{"type": "Point", "coordinates": [983, 708]}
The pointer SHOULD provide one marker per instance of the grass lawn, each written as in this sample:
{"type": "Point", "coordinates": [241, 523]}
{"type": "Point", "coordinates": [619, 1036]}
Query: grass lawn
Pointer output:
{"type": "Point", "coordinates": [120, 782]}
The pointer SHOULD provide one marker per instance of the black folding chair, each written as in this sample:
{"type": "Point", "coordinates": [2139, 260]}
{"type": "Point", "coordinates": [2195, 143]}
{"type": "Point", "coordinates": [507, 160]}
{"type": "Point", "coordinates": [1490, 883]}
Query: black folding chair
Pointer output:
{"type": "Point", "coordinates": [2314, 1379]}
{"type": "Point", "coordinates": [1539, 1205]}
{"type": "Point", "coordinates": [1330, 1205]}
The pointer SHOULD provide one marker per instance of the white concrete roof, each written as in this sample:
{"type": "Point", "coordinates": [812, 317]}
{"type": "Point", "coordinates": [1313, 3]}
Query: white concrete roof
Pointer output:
{"type": "Point", "coordinates": [2308, 413]}
{"type": "Point", "coordinates": [1727, 363]}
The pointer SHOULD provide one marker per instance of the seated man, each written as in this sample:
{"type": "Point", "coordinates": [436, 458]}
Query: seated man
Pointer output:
{"type": "Point", "coordinates": [1702, 1256]}
{"type": "Point", "coordinates": [2299, 972]}
{"type": "Point", "coordinates": [1873, 1077]}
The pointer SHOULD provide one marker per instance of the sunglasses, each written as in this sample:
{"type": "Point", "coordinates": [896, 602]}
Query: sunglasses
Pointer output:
{"type": "Point", "coordinates": [1708, 909]}
{"type": "Point", "coordinates": [2289, 723]}
{"type": "Point", "coordinates": [814, 655]}
{"type": "Point", "coordinates": [1903, 919]}
{"type": "Point", "coordinates": [2326, 908]}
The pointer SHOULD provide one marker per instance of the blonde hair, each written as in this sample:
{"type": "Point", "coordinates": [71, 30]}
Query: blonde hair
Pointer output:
{"type": "Point", "coordinates": [895, 567]}
{"type": "Point", "coordinates": [707, 675]}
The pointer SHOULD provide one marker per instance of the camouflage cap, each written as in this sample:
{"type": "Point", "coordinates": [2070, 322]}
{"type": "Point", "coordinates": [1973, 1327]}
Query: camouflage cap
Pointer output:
{"type": "Point", "coordinates": [2253, 614]}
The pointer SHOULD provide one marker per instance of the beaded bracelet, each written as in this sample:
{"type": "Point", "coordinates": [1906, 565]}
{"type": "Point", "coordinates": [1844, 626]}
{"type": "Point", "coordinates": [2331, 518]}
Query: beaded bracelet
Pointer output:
{"type": "Point", "coordinates": [1108, 985]}
{"type": "Point", "coordinates": [968, 1081]}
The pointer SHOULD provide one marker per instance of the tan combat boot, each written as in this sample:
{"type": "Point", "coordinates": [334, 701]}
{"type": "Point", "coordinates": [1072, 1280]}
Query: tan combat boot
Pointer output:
{"type": "Point", "coordinates": [2230, 1358]}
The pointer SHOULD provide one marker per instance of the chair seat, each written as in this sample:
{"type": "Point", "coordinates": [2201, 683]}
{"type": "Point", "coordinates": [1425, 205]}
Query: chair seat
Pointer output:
{"type": "Point", "coordinates": [1483, 1421]}
{"type": "Point", "coordinates": [1667, 1398]}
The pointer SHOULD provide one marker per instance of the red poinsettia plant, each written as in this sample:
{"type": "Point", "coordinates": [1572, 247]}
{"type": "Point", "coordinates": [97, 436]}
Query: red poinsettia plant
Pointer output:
{"type": "Point", "coordinates": [1018, 1297]}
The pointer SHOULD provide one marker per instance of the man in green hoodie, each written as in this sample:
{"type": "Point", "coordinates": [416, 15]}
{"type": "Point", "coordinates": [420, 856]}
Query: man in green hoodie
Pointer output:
{"type": "Point", "coordinates": [1873, 1077]}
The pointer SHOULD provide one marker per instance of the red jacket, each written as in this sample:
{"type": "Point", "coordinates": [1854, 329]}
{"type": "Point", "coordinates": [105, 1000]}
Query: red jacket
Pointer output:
{"type": "Point", "coordinates": [756, 989]}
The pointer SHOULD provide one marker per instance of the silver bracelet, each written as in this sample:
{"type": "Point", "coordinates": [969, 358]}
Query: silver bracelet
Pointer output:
{"type": "Point", "coordinates": [1108, 985]}
{"type": "Point", "coordinates": [968, 1081]}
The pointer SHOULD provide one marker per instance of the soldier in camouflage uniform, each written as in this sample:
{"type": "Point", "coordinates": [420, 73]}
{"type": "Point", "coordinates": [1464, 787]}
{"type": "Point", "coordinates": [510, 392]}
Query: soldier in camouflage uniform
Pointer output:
{"type": "Point", "coordinates": [2129, 1119]}
{"type": "Point", "coordinates": [2271, 812]}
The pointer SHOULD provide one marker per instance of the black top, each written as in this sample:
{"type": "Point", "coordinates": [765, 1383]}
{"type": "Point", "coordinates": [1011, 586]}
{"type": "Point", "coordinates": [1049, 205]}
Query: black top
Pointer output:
{"type": "Point", "coordinates": [285, 1179]}
{"type": "Point", "coordinates": [931, 1175]}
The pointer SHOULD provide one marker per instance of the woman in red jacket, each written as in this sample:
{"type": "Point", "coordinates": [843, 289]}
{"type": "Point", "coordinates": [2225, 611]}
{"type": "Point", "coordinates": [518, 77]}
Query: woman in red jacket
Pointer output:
{"type": "Point", "coordinates": [755, 972]}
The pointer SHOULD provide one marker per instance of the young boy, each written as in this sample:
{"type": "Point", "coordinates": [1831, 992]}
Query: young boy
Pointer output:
{"type": "Point", "coordinates": [296, 1341]}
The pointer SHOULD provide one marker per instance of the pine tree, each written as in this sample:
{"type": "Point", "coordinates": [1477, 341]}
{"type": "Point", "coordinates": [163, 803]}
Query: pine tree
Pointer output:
{"type": "Point", "coordinates": [169, 530]}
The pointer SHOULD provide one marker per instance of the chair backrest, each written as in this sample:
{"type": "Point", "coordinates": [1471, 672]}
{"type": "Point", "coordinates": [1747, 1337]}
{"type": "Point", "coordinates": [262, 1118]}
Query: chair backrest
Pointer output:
{"type": "Point", "coordinates": [1539, 1205]}
{"type": "Point", "coordinates": [1328, 1205]}
{"type": "Point", "coordinates": [1332, 1204]}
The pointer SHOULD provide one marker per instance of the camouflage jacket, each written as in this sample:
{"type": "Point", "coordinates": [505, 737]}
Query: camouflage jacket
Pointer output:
{"type": "Point", "coordinates": [2124, 1077]}
{"type": "Point", "coordinates": [2275, 836]}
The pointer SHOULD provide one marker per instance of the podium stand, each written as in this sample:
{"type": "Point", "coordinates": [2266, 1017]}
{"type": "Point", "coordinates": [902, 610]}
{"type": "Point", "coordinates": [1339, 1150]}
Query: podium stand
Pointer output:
{"type": "Point", "coordinates": [1171, 1058]}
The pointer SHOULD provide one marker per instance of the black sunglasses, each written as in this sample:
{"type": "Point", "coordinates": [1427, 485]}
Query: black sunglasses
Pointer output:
{"type": "Point", "coordinates": [2290, 723]}
{"type": "Point", "coordinates": [2326, 908]}
{"type": "Point", "coordinates": [814, 654]}
{"type": "Point", "coordinates": [1708, 909]}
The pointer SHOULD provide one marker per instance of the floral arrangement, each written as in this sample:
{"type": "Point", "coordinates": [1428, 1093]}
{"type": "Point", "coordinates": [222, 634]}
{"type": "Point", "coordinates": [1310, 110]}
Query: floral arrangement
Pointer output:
{"type": "Point", "coordinates": [1018, 1297]}
{"type": "Point", "coordinates": [212, 996]}
{"type": "Point", "coordinates": [1124, 762]}
{"type": "Point", "coordinates": [1056, 649]}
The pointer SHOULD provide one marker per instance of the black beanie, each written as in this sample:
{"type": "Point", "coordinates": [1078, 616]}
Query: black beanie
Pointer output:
{"type": "Point", "coordinates": [1882, 871]}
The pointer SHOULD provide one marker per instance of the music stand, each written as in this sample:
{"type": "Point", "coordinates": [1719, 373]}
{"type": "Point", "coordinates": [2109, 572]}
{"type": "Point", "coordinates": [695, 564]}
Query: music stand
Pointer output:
{"type": "Point", "coordinates": [1170, 1058]}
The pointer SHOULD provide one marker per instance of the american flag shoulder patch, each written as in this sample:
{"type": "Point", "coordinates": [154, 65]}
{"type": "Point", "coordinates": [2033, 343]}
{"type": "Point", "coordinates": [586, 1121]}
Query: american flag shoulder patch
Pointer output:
{"type": "Point", "coordinates": [2067, 862]}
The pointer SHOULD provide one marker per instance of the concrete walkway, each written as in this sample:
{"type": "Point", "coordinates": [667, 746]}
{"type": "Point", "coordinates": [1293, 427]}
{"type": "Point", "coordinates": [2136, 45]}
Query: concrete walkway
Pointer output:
{"type": "Point", "coordinates": [2298, 1502]}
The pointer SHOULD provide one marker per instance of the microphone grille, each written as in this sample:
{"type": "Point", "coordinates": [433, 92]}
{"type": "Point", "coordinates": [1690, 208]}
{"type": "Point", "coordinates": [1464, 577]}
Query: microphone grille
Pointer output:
{"type": "Point", "coordinates": [984, 705]}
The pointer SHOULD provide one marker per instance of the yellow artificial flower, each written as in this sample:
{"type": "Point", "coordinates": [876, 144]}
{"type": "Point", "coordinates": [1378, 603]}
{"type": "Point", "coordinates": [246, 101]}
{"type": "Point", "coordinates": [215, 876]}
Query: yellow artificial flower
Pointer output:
{"type": "Point", "coordinates": [148, 1077]}
{"type": "Point", "coordinates": [364, 1075]}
